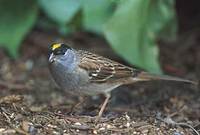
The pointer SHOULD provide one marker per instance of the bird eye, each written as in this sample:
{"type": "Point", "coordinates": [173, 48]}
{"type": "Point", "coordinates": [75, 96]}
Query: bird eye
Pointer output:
{"type": "Point", "coordinates": [59, 51]}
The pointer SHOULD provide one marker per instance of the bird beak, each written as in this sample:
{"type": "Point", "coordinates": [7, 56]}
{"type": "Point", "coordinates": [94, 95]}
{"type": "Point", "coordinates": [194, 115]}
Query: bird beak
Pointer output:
{"type": "Point", "coordinates": [51, 58]}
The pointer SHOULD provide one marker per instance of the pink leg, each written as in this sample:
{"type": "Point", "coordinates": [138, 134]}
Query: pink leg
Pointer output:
{"type": "Point", "coordinates": [103, 107]}
{"type": "Point", "coordinates": [78, 104]}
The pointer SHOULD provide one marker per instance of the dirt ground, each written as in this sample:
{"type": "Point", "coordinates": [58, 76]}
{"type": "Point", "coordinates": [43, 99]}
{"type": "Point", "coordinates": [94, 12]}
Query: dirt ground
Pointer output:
{"type": "Point", "coordinates": [31, 103]}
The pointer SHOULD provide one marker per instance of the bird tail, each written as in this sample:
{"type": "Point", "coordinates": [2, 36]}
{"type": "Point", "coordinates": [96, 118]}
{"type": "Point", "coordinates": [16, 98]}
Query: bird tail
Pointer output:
{"type": "Point", "coordinates": [144, 76]}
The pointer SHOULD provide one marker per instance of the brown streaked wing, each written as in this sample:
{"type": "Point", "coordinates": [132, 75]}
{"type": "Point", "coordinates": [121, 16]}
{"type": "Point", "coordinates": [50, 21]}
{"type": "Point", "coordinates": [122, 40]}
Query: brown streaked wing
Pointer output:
{"type": "Point", "coordinates": [101, 69]}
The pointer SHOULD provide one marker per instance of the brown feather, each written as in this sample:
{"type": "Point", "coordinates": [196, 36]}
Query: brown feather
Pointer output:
{"type": "Point", "coordinates": [101, 69]}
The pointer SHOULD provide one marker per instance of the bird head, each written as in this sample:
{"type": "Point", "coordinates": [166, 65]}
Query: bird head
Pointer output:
{"type": "Point", "coordinates": [62, 54]}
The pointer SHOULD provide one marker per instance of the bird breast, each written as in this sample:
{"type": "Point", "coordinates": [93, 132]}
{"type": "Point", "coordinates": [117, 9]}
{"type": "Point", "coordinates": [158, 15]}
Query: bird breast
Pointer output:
{"type": "Point", "coordinates": [65, 79]}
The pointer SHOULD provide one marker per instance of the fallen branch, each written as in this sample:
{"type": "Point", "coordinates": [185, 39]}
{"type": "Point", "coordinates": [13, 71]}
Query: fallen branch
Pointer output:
{"type": "Point", "coordinates": [169, 121]}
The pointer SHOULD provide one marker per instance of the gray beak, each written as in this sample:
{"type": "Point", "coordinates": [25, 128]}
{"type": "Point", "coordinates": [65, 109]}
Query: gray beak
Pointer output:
{"type": "Point", "coordinates": [51, 58]}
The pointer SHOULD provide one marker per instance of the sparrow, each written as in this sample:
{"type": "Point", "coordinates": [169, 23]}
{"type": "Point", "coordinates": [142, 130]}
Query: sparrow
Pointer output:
{"type": "Point", "coordinates": [84, 73]}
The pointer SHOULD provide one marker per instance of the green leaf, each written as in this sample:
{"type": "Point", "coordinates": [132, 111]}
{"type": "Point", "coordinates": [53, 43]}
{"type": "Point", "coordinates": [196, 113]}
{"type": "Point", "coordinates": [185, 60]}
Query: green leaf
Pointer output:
{"type": "Point", "coordinates": [134, 28]}
{"type": "Point", "coordinates": [60, 11]}
{"type": "Point", "coordinates": [168, 28]}
{"type": "Point", "coordinates": [95, 14]}
{"type": "Point", "coordinates": [16, 19]}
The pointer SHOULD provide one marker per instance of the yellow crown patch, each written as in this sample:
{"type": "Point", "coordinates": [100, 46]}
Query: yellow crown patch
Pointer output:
{"type": "Point", "coordinates": [55, 46]}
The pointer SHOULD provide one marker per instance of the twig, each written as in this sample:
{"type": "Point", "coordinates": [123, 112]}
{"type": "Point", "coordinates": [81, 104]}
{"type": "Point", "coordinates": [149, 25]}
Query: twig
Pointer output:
{"type": "Point", "coordinates": [21, 131]}
{"type": "Point", "coordinates": [7, 117]}
{"type": "Point", "coordinates": [14, 86]}
{"type": "Point", "coordinates": [135, 125]}
{"type": "Point", "coordinates": [169, 121]}
{"type": "Point", "coordinates": [178, 111]}
{"type": "Point", "coordinates": [11, 99]}
{"type": "Point", "coordinates": [80, 127]}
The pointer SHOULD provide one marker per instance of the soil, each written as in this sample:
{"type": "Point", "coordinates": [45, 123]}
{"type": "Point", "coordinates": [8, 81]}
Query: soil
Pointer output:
{"type": "Point", "coordinates": [31, 103]}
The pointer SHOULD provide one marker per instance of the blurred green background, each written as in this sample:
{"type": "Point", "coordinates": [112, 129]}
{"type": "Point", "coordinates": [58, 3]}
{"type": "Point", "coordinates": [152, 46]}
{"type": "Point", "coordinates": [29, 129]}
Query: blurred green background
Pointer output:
{"type": "Point", "coordinates": [131, 27]}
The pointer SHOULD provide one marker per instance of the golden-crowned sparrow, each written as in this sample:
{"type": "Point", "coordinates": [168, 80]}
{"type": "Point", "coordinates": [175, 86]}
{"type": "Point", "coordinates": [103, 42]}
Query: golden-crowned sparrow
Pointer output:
{"type": "Point", "coordinates": [85, 73]}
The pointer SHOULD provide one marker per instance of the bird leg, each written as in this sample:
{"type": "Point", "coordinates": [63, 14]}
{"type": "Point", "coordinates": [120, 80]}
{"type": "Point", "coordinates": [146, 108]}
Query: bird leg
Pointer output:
{"type": "Point", "coordinates": [75, 106]}
{"type": "Point", "coordinates": [103, 107]}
